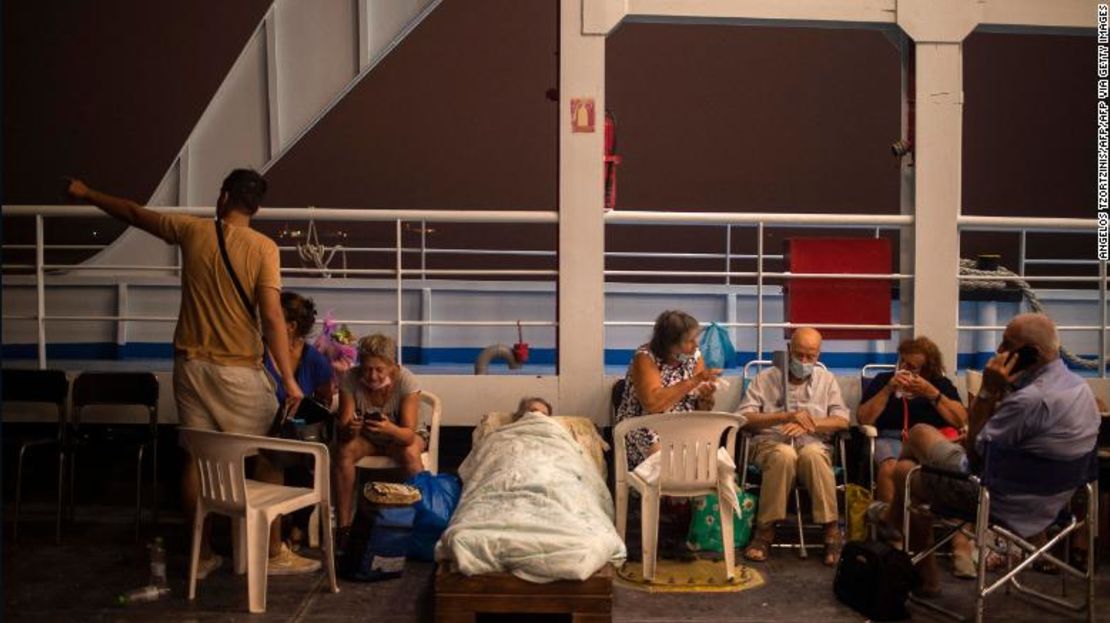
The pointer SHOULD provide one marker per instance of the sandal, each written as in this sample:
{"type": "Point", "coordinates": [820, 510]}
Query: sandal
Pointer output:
{"type": "Point", "coordinates": [963, 567]}
{"type": "Point", "coordinates": [833, 547]}
{"type": "Point", "coordinates": [758, 550]}
{"type": "Point", "coordinates": [883, 530]}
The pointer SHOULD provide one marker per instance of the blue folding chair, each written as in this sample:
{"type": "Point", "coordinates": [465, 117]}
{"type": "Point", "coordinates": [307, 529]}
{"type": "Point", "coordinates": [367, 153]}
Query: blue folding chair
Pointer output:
{"type": "Point", "coordinates": [1008, 471]}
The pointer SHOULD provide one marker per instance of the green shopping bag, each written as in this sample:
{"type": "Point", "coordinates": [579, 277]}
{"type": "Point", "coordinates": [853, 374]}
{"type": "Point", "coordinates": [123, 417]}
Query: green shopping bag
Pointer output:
{"type": "Point", "coordinates": [705, 531]}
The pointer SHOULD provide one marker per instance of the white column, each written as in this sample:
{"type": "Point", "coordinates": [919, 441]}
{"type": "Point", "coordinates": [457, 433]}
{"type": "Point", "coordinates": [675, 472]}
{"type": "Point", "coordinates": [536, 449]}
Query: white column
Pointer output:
{"type": "Point", "coordinates": [937, 194]}
{"type": "Point", "coordinates": [906, 197]}
{"type": "Point", "coordinates": [938, 28]}
{"type": "Point", "coordinates": [581, 224]}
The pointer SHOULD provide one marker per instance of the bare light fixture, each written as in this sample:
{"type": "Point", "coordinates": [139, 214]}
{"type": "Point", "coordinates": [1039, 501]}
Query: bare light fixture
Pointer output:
{"type": "Point", "coordinates": [901, 147]}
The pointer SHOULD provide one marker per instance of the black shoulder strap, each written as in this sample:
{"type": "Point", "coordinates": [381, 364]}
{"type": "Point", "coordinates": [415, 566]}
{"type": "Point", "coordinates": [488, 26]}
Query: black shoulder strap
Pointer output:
{"type": "Point", "coordinates": [231, 271]}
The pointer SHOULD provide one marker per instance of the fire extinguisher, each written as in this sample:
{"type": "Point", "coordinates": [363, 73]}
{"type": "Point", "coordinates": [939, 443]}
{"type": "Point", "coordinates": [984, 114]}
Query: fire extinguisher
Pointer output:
{"type": "Point", "coordinates": [611, 161]}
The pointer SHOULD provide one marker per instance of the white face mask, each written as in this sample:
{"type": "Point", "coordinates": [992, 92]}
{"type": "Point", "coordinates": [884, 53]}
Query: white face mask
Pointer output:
{"type": "Point", "coordinates": [384, 383]}
{"type": "Point", "coordinates": [799, 369]}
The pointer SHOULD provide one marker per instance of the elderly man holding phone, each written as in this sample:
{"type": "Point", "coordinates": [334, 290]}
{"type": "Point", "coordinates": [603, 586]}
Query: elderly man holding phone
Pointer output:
{"type": "Point", "coordinates": [1029, 402]}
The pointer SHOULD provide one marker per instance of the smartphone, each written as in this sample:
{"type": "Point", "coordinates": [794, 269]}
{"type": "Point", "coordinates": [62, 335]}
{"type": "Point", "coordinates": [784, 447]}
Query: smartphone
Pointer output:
{"type": "Point", "coordinates": [375, 416]}
{"type": "Point", "coordinates": [1026, 356]}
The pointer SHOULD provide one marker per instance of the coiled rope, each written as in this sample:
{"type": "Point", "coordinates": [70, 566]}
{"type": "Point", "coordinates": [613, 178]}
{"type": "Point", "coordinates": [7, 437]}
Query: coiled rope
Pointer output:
{"type": "Point", "coordinates": [1013, 280]}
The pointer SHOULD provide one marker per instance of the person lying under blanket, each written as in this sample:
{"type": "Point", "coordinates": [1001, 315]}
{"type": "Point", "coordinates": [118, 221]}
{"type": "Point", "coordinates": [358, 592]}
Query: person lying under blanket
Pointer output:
{"type": "Point", "coordinates": [534, 504]}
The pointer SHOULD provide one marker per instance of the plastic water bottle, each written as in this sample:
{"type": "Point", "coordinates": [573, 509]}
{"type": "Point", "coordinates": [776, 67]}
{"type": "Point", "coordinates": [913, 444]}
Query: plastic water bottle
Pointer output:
{"type": "Point", "coordinates": [157, 563]}
{"type": "Point", "coordinates": [142, 595]}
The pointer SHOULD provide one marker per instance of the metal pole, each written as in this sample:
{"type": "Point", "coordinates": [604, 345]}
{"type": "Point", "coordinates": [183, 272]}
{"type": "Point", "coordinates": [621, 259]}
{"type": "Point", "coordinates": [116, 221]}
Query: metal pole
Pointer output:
{"type": "Point", "coordinates": [399, 310]}
{"type": "Point", "coordinates": [1021, 255]}
{"type": "Point", "coordinates": [423, 249]}
{"type": "Point", "coordinates": [40, 290]}
{"type": "Point", "coordinates": [728, 254]}
{"type": "Point", "coordinates": [1102, 314]}
{"type": "Point", "coordinates": [759, 292]}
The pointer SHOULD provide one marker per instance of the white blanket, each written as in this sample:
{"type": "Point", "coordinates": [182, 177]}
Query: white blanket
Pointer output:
{"type": "Point", "coordinates": [532, 505]}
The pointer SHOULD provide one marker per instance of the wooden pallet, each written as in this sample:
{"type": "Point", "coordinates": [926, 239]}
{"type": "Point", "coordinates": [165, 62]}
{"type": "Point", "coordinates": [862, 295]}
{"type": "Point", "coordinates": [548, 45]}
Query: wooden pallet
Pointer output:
{"type": "Point", "coordinates": [460, 598]}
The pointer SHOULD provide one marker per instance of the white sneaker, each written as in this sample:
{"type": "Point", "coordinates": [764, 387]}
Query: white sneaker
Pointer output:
{"type": "Point", "coordinates": [208, 565]}
{"type": "Point", "coordinates": [288, 563]}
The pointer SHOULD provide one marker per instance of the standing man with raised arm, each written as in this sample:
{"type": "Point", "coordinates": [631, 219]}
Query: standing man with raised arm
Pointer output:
{"type": "Point", "coordinates": [219, 382]}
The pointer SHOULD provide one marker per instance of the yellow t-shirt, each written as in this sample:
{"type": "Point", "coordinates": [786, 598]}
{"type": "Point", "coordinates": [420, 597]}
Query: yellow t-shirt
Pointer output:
{"type": "Point", "coordinates": [213, 324]}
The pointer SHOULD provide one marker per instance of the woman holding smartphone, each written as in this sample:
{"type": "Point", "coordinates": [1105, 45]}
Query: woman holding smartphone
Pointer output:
{"type": "Point", "coordinates": [917, 392]}
{"type": "Point", "coordinates": [379, 408]}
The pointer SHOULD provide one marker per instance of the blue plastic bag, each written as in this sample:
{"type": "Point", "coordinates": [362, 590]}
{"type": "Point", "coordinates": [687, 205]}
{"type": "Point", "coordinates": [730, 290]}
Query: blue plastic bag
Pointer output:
{"type": "Point", "coordinates": [439, 495]}
{"type": "Point", "coordinates": [716, 347]}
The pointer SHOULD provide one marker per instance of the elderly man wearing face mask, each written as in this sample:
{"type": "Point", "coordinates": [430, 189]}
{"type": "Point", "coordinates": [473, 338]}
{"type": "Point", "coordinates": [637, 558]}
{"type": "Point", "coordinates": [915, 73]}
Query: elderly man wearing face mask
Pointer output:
{"type": "Point", "coordinates": [792, 441]}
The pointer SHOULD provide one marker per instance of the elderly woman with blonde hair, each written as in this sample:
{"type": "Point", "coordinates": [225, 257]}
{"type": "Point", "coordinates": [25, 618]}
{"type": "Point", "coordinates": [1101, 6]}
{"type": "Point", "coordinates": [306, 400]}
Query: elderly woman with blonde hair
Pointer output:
{"type": "Point", "coordinates": [379, 408]}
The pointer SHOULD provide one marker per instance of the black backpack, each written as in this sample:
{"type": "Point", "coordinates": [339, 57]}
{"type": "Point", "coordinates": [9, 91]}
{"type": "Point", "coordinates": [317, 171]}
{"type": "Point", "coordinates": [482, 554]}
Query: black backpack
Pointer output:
{"type": "Point", "coordinates": [875, 580]}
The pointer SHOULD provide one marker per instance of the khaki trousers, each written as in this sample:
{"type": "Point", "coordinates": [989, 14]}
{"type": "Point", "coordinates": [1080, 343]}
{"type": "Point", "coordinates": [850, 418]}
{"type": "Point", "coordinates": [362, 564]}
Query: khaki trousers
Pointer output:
{"type": "Point", "coordinates": [781, 464]}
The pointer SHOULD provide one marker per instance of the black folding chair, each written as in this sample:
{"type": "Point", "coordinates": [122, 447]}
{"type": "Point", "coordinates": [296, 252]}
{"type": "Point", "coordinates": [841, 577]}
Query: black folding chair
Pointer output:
{"type": "Point", "coordinates": [1008, 471]}
{"type": "Point", "coordinates": [120, 389]}
{"type": "Point", "coordinates": [39, 386]}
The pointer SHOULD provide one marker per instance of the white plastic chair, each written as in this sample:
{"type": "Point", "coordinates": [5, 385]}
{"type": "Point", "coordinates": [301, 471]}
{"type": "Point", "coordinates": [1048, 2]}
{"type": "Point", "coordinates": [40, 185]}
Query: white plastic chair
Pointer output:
{"type": "Point", "coordinates": [688, 468]}
{"type": "Point", "coordinates": [252, 505]}
{"type": "Point", "coordinates": [431, 404]}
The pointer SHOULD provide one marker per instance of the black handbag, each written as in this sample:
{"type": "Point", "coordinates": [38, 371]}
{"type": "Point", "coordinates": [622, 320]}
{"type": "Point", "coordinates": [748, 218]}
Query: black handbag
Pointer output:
{"type": "Point", "coordinates": [875, 580]}
{"type": "Point", "coordinates": [309, 423]}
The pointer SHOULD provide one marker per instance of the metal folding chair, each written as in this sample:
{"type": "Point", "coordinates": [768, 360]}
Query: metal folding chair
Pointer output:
{"type": "Point", "coordinates": [866, 375]}
{"type": "Point", "coordinates": [1008, 471]}
{"type": "Point", "coordinates": [751, 476]}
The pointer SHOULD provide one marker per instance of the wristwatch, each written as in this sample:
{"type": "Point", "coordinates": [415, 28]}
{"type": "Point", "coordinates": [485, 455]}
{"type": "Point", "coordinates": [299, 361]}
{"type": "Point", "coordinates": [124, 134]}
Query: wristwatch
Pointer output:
{"type": "Point", "coordinates": [936, 401]}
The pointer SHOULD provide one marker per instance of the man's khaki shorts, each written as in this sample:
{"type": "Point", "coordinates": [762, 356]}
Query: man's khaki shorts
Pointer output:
{"type": "Point", "coordinates": [230, 399]}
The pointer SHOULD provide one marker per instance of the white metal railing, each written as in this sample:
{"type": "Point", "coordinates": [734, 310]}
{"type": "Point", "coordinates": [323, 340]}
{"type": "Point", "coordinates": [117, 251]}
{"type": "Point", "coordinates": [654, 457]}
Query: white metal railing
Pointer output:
{"type": "Point", "coordinates": [760, 221]}
{"type": "Point", "coordinates": [1024, 226]}
{"type": "Point", "coordinates": [398, 217]}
